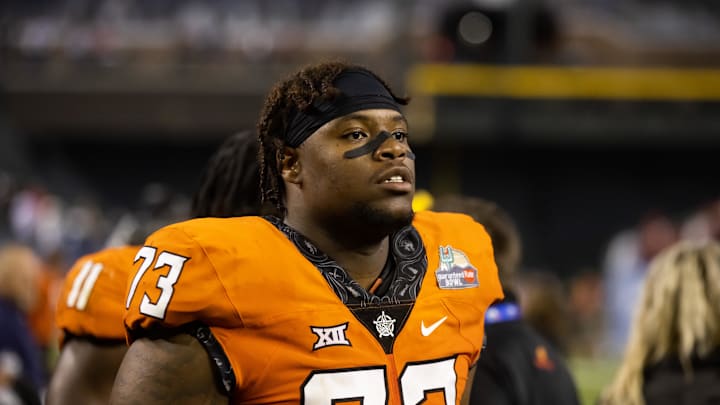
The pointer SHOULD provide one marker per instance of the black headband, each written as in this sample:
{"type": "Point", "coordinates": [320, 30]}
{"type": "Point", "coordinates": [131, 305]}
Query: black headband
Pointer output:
{"type": "Point", "coordinates": [359, 90]}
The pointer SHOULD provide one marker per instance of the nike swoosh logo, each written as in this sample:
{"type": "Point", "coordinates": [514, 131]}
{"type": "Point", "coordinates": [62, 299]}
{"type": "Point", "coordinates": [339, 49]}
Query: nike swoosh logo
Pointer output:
{"type": "Point", "coordinates": [426, 331]}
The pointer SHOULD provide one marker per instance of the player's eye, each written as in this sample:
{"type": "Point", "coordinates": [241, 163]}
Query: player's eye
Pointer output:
{"type": "Point", "coordinates": [356, 135]}
{"type": "Point", "coordinates": [399, 135]}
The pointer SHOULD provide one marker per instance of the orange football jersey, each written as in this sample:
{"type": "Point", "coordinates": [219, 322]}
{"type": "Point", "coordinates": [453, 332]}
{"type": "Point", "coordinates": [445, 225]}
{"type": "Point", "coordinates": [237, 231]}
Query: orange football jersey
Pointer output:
{"type": "Point", "coordinates": [92, 301]}
{"type": "Point", "coordinates": [296, 329]}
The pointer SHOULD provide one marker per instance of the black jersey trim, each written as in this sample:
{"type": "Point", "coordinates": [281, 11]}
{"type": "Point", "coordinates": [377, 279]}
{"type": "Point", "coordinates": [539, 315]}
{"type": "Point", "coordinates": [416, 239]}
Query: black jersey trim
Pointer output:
{"type": "Point", "coordinates": [222, 370]}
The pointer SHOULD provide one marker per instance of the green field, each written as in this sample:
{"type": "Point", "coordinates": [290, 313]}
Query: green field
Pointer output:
{"type": "Point", "coordinates": [591, 376]}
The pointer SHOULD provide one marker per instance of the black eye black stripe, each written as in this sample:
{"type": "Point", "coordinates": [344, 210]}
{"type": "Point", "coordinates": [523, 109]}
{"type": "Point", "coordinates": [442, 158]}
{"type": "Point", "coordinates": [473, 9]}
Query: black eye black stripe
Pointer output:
{"type": "Point", "coordinates": [368, 147]}
{"type": "Point", "coordinates": [371, 146]}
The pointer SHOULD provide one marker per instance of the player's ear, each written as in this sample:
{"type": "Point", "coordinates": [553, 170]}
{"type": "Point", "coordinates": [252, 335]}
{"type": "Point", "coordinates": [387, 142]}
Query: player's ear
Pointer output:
{"type": "Point", "coordinates": [289, 165]}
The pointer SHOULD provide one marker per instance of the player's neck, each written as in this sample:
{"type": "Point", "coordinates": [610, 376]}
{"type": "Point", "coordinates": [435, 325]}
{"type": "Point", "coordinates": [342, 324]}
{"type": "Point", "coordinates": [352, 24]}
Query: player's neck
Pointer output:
{"type": "Point", "coordinates": [362, 256]}
{"type": "Point", "coordinates": [363, 266]}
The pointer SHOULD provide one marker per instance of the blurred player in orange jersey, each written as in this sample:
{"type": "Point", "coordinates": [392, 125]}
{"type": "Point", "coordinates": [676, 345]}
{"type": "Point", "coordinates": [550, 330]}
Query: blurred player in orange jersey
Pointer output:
{"type": "Point", "coordinates": [348, 295]}
{"type": "Point", "coordinates": [92, 303]}
{"type": "Point", "coordinates": [88, 311]}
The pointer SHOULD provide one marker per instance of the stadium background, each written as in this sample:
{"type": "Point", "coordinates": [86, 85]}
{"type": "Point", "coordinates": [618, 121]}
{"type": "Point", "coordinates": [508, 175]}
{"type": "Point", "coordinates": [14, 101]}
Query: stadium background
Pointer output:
{"type": "Point", "coordinates": [580, 117]}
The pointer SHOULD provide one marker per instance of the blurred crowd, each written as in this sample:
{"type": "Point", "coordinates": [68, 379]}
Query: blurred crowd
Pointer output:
{"type": "Point", "coordinates": [60, 229]}
{"type": "Point", "coordinates": [590, 313]}
{"type": "Point", "coordinates": [124, 31]}
{"type": "Point", "coordinates": [252, 29]}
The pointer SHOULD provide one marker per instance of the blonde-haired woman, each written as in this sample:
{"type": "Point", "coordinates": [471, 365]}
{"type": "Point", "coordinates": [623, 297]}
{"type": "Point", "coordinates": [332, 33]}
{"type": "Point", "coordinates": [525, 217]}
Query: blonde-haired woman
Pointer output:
{"type": "Point", "coordinates": [673, 354]}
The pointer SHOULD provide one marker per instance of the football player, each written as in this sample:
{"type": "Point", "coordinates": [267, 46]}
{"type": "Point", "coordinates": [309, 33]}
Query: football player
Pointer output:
{"type": "Point", "coordinates": [346, 295]}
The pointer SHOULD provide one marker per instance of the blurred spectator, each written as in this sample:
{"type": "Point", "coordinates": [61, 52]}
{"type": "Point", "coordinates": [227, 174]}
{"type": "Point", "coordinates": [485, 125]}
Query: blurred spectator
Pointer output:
{"type": "Point", "coordinates": [626, 261]}
{"type": "Point", "coordinates": [20, 358]}
{"type": "Point", "coordinates": [518, 366]}
{"type": "Point", "coordinates": [544, 304]}
{"type": "Point", "coordinates": [703, 225]}
{"type": "Point", "coordinates": [586, 307]}
{"type": "Point", "coordinates": [673, 354]}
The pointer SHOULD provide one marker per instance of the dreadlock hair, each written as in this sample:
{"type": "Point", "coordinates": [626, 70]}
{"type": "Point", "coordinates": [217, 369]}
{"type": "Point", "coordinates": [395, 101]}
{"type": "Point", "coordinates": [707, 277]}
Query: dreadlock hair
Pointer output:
{"type": "Point", "coordinates": [297, 92]}
{"type": "Point", "coordinates": [230, 185]}
{"type": "Point", "coordinates": [678, 316]}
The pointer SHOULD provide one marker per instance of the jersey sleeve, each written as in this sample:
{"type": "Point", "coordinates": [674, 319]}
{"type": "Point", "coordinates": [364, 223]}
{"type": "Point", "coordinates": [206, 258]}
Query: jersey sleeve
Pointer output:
{"type": "Point", "coordinates": [174, 283]}
{"type": "Point", "coordinates": [91, 301]}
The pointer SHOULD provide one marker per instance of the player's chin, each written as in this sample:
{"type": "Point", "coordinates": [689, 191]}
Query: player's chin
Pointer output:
{"type": "Point", "coordinates": [398, 214]}
{"type": "Point", "coordinates": [389, 215]}
{"type": "Point", "coordinates": [405, 218]}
